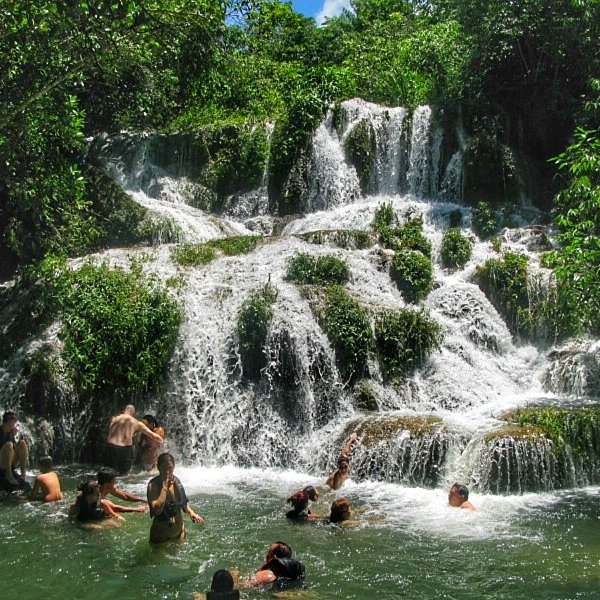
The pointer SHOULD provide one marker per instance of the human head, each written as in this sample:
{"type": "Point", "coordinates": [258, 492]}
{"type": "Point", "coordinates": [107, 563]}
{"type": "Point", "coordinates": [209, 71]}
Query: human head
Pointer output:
{"type": "Point", "coordinates": [89, 490]}
{"type": "Point", "coordinates": [107, 476]}
{"type": "Point", "coordinates": [222, 581]}
{"type": "Point", "coordinates": [458, 494]}
{"type": "Point", "coordinates": [151, 422]}
{"type": "Point", "coordinates": [129, 410]}
{"type": "Point", "coordinates": [343, 464]}
{"type": "Point", "coordinates": [165, 463]}
{"type": "Point", "coordinates": [278, 550]}
{"type": "Point", "coordinates": [311, 492]}
{"type": "Point", "coordinates": [340, 510]}
{"type": "Point", "coordinates": [9, 415]}
{"type": "Point", "coordinates": [45, 464]}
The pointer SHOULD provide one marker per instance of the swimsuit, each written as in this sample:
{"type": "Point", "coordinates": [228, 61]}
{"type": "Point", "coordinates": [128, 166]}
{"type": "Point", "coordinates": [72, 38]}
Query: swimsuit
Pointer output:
{"type": "Point", "coordinates": [286, 568]}
{"type": "Point", "coordinates": [118, 457]}
{"type": "Point", "coordinates": [85, 512]}
{"type": "Point", "coordinates": [171, 506]}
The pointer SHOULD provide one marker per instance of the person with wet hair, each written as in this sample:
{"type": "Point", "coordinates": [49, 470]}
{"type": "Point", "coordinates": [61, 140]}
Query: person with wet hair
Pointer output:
{"type": "Point", "coordinates": [89, 507]}
{"type": "Point", "coordinates": [278, 567]}
{"type": "Point", "coordinates": [341, 512]}
{"type": "Point", "coordinates": [221, 588]}
{"type": "Point", "coordinates": [299, 502]}
{"type": "Point", "coordinates": [458, 497]}
{"type": "Point", "coordinates": [147, 448]}
{"type": "Point", "coordinates": [47, 485]}
{"type": "Point", "coordinates": [107, 480]}
{"type": "Point", "coordinates": [339, 476]}
{"type": "Point", "coordinates": [13, 454]}
{"type": "Point", "coordinates": [167, 501]}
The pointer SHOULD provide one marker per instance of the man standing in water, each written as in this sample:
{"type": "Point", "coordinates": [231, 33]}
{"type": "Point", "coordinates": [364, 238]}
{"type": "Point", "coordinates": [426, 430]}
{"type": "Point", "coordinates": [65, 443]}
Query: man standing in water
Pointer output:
{"type": "Point", "coordinates": [339, 476]}
{"type": "Point", "coordinates": [167, 501]}
{"type": "Point", "coordinates": [119, 445]}
{"type": "Point", "coordinates": [458, 497]}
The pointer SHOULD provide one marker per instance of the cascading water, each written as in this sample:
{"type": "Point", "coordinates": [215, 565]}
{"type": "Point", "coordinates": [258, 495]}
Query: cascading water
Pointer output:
{"type": "Point", "coordinates": [300, 408]}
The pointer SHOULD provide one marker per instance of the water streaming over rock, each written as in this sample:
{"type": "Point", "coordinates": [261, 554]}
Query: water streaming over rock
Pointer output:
{"type": "Point", "coordinates": [298, 411]}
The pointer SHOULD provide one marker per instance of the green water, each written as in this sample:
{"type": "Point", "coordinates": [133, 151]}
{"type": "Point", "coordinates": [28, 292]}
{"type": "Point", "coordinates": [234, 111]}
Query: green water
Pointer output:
{"type": "Point", "coordinates": [535, 546]}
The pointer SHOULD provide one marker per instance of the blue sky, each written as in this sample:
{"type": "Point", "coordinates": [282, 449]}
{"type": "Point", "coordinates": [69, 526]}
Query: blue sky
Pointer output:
{"type": "Point", "coordinates": [319, 9]}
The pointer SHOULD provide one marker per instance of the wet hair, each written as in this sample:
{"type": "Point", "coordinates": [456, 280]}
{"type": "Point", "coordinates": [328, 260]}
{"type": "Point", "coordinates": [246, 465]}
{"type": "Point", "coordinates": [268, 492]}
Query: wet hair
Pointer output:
{"type": "Point", "coordinates": [8, 415]}
{"type": "Point", "coordinates": [45, 463]}
{"type": "Point", "coordinates": [340, 510]}
{"type": "Point", "coordinates": [343, 459]}
{"type": "Point", "coordinates": [151, 420]}
{"type": "Point", "coordinates": [462, 490]}
{"type": "Point", "coordinates": [222, 581]}
{"type": "Point", "coordinates": [164, 459]}
{"type": "Point", "coordinates": [106, 475]}
{"type": "Point", "coordinates": [300, 499]}
{"type": "Point", "coordinates": [87, 488]}
{"type": "Point", "coordinates": [279, 550]}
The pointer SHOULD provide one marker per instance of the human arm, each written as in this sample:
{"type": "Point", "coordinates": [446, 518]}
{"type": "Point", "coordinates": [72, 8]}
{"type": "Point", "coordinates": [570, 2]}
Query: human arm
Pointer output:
{"type": "Point", "coordinates": [119, 493]}
{"type": "Point", "coordinates": [127, 509]}
{"type": "Point", "coordinates": [196, 518]}
{"type": "Point", "coordinates": [348, 445]}
{"type": "Point", "coordinates": [37, 492]}
{"type": "Point", "coordinates": [147, 431]}
{"type": "Point", "coordinates": [110, 509]}
{"type": "Point", "coordinates": [157, 493]}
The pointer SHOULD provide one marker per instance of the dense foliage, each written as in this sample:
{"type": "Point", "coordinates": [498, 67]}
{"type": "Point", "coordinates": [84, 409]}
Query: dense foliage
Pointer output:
{"type": "Point", "coordinates": [456, 248]}
{"type": "Point", "coordinates": [320, 270]}
{"type": "Point", "coordinates": [413, 274]}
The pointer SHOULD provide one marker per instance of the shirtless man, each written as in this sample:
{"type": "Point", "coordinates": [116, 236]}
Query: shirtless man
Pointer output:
{"type": "Point", "coordinates": [458, 497]}
{"type": "Point", "coordinates": [46, 486]}
{"type": "Point", "coordinates": [12, 453]}
{"type": "Point", "coordinates": [107, 479]}
{"type": "Point", "coordinates": [338, 477]}
{"type": "Point", "coordinates": [119, 445]}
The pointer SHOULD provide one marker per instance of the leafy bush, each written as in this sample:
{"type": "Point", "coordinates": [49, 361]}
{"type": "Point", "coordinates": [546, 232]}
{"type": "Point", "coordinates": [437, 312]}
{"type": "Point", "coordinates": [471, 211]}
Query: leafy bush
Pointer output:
{"type": "Point", "coordinates": [455, 218]}
{"type": "Point", "coordinates": [504, 282]}
{"type": "Point", "coordinates": [484, 221]}
{"type": "Point", "coordinates": [201, 254]}
{"type": "Point", "coordinates": [119, 332]}
{"type": "Point", "coordinates": [348, 328]}
{"type": "Point", "coordinates": [410, 236]}
{"type": "Point", "coordinates": [456, 248]}
{"type": "Point", "coordinates": [383, 218]}
{"type": "Point", "coordinates": [253, 323]}
{"type": "Point", "coordinates": [159, 229]}
{"type": "Point", "coordinates": [240, 244]}
{"type": "Point", "coordinates": [403, 339]}
{"type": "Point", "coordinates": [351, 239]}
{"type": "Point", "coordinates": [360, 150]}
{"type": "Point", "coordinates": [413, 274]}
{"type": "Point", "coordinates": [320, 270]}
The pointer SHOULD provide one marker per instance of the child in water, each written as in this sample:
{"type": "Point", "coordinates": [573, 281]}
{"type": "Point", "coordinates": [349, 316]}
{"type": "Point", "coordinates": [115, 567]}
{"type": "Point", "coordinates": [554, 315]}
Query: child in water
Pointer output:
{"type": "Point", "coordinates": [47, 485]}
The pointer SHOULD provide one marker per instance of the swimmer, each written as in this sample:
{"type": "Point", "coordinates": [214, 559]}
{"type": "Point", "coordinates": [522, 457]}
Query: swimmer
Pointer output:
{"type": "Point", "coordinates": [107, 479]}
{"type": "Point", "coordinates": [89, 508]}
{"type": "Point", "coordinates": [46, 487]}
{"type": "Point", "coordinates": [338, 477]}
{"type": "Point", "coordinates": [341, 512]}
{"type": "Point", "coordinates": [147, 449]}
{"type": "Point", "coordinates": [167, 501]}
{"type": "Point", "coordinates": [221, 588]}
{"type": "Point", "coordinates": [278, 565]}
{"type": "Point", "coordinates": [299, 502]}
{"type": "Point", "coordinates": [458, 497]}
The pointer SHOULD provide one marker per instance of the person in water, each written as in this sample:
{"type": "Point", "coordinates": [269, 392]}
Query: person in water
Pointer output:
{"type": "Point", "coordinates": [89, 507]}
{"type": "Point", "coordinates": [299, 502]}
{"type": "Point", "coordinates": [147, 449]}
{"type": "Point", "coordinates": [47, 485]}
{"type": "Point", "coordinates": [107, 480]}
{"type": "Point", "coordinates": [458, 497]}
{"type": "Point", "coordinates": [167, 501]}
{"type": "Point", "coordinates": [118, 453]}
{"type": "Point", "coordinates": [277, 567]}
{"type": "Point", "coordinates": [13, 453]}
{"type": "Point", "coordinates": [221, 588]}
{"type": "Point", "coordinates": [341, 513]}
{"type": "Point", "coordinates": [339, 476]}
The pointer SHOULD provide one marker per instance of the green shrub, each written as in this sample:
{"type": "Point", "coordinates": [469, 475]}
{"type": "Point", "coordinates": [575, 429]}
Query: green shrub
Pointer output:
{"type": "Point", "coordinates": [504, 282]}
{"type": "Point", "coordinates": [254, 319]}
{"type": "Point", "coordinates": [350, 239]}
{"type": "Point", "coordinates": [455, 218]}
{"type": "Point", "coordinates": [320, 270]}
{"type": "Point", "coordinates": [403, 339]}
{"type": "Point", "coordinates": [189, 255]}
{"type": "Point", "coordinates": [366, 398]}
{"type": "Point", "coordinates": [240, 244]}
{"type": "Point", "coordinates": [456, 248]}
{"type": "Point", "coordinates": [119, 332]}
{"type": "Point", "coordinates": [348, 328]}
{"type": "Point", "coordinates": [383, 218]}
{"type": "Point", "coordinates": [410, 236]}
{"type": "Point", "coordinates": [359, 148]}
{"type": "Point", "coordinates": [158, 229]}
{"type": "Point", "coordinates": [484, 221]}
{"type": "Point", "coordinates": [413, 274]}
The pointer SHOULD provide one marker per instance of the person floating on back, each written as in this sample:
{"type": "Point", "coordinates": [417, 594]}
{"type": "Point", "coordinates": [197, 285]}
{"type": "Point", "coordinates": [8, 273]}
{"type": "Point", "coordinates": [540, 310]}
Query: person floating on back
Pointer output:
{"type": "Point", "coordinates": [299, 502]}
{"type": "Point", "coordinates": [339, 476]}
{"type": "Point", "coordinates": [13, 454]}
{"type": "Point", "coordinates": [167, 501]}
{"type": "Point", "coordinates": [458, 497]}
{"type": "Point", "coordinates": [47, 485]}
{"type": "Point", "coordinates": [221, 588]}
{"type": "Point", "coordinates": [118, 453]}
{"type": "Point", "coordinates": [279, 567]}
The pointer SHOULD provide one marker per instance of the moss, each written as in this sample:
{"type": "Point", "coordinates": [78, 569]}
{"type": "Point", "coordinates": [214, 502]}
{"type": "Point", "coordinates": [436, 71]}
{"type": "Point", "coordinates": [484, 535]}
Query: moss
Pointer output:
{"type": "Point", "coordinates": [359, 147]}
{"type": "Point", "coordinates": [350, 239]}
{"type": "Point", "coordinates": [201, 254]}
{"type": "Point", "coordinates": [191, 255]}
{"type": "Point", "coordinates": [159, 229]}
{"type": "Point", "coordinates": [41, 375]}
{"type": "Point", "coordinates": [413, 274]}
{"type": "Point", "coordinates": [372, 432]}
{"type": "Point", "coordinates": [254, 319]}
{"type": "Point", "coordinates": [404, 339]}
{"type": "Point", "coordinates": [366, 398]}
{"type": "Point", "coordinates": [307, 269]}
{"type": "Point", "coordinates": [455, 218]}
{"type": "Point", "coordinates": [456, 249]}
{"type": "Point", "coordinates": [504, 282]}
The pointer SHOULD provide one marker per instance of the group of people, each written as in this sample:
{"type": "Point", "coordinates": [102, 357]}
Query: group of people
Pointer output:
{"type": "Point", "coordinates": [166, 500]}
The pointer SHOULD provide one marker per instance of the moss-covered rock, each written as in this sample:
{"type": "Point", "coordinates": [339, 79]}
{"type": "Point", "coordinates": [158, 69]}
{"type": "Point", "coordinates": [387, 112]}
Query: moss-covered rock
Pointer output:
{"type": "Point", "coordinates": [359, 148]}
{"type": "Point", "coordinates": [350, 239]}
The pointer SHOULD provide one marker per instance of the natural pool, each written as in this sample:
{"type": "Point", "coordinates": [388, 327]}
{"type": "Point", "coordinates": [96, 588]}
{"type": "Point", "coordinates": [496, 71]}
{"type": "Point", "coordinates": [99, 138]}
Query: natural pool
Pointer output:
{"type": "Point", "coordinates": [533, 546]}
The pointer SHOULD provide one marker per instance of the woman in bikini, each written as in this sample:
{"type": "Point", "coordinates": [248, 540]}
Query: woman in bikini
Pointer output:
{"type": "Point", "coordinates": [168, 502]}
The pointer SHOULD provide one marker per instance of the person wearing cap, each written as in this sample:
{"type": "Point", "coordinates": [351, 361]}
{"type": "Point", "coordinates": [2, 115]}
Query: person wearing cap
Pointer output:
{"type": "Point", "coordinates": [13, 453]}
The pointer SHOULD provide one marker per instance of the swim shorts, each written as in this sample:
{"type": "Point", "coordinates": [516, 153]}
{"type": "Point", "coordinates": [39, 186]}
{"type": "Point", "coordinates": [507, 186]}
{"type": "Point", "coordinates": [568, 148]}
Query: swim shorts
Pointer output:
{"type": "Point", "coordinates": [118, 457]}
